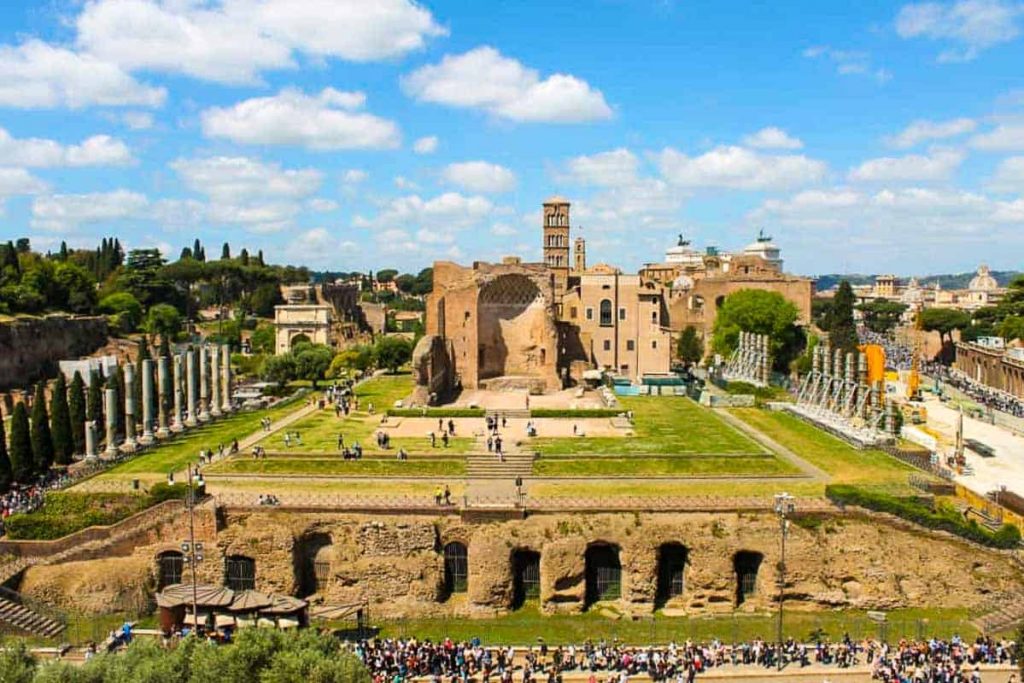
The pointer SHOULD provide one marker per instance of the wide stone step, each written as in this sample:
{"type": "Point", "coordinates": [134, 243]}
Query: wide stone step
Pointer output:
{"type": "Point", "coordinates": [24, 619]}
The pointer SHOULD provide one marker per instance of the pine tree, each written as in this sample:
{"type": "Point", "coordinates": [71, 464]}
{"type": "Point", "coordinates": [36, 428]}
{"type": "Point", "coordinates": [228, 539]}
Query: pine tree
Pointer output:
{"type": "Point", "coordinates": [225, 252]}
{"type": "Point", "coordinates": [76, 411]}
{"type": "Point", "coordinates": [42, 437]}
{"type": "Point", "coordinates": [94, 404]}
{"type": "Point", "coordinates": [842, 332]}
{"type": "Point", "coordinates": [21, 446]}
{"type": "Point", "coordinates": [259, 258]}
{"type": "Point", "coordinates": [60, 422]}
{"type": "Point", "coordinates": [186, 254]}
{"type": "Point", "coordinates": [6, 476]}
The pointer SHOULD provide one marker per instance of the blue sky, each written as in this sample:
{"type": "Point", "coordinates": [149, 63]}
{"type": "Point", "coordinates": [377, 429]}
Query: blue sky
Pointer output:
{"type": "Point", "coordinates": [348, 134]}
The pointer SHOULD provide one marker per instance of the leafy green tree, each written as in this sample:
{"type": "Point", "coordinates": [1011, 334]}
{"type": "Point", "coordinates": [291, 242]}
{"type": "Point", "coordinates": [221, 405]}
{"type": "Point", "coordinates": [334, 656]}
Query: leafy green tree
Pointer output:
{"type": "Point", "coordinates": [125, 307]}
{"type": "Point", "coordinates": [263, 300]}
{"type": "Point", "coordinates": [263, 339]}
{"type": "Point", "coordinates": [21, 446]}
{"type": "Point", "coordinates": [312, 361]}
{"type": "Point", "coordinates": [405, 283]}
{"type": "Point", "coordinates": [881, 315]}
{"type": "Point", "coordinates": [689, 348]}
{"type": "Point", "coordinates": [760, 312]}
{"type": "Point", "coordinates": [392, 353]}
{"type": "Point", "coordinates": [94, 402]}
{"type": "Point", "coordinates": [842, 332]}
{"type": "Point", "coordinates": [60, 418]}
{"type": "Point", "coordinates": [77, 412]}
{"type": "Point", "coordinates": [6, 476]}
{"type": "Point", "coordinates": [42, 437]}
{"type": "Point", "coordinates": [76, 288]}
{"type": "Point", "coordinates": [163, 319]}
{"type": "Point", "coordinates": [17, 665]}
{"type": "Point", "coordinates": [944, 321]}
{"type": "Point", "coordinates": [1012, 327]}
{"type": "Point", "coordinates": [280, 369]}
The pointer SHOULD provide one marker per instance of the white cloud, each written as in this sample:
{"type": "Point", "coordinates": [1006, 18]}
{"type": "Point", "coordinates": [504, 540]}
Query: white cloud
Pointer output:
{"type": "Point", "coordinates": [484, 79]}
{"type": "Point", "coordinates": [646, 205]}
{"type": "Point", "coordinates": [772, 138]}
{"type": "Point", "coordinates": [425, 145]}
{"type": "Point", "coordinates": [1003, 138]}
{"type": "Point", "coordinates": [137, 120]}
{"type": "Point", "coordinates": [922, 130]}
{"type": "Point", "coordinates": [480, 176]}
{"type": "Point", "coordinates": [434, 220]}
{"type": "Point", "coordinates": [326, 121]}
{"type": "Point", "coordinates": [503, 230]}
{"type": "Point", "coordinates": [37, 75]}
{"type": "Point", "coordinates": [849, 62]}
{"type": "Point", "coordinates": [99, 150]}
{"type": "Point", "coordinates": [354, 176]}
{"type": "Point", "coordinates": [233, 179]}
{"type": "Point", "coordinates": [321, 205]}
{"type": "Point", "coordinates": [403, 183]}
{"type": "Point", "coordinates": [939, 165]}
{"type": "Point", "coordinates": [233, 41]}
{"type": "Point", "coordinates": [971, 25]}
{"type": "Point", "coordinates": [18, 181]}
{"type": "Point", "coordinates": [318, 247]}
{"type": "Point", "coordinates": [1008, 176]}
{"type": "Point", "coordinates": [616, 167]}
{"type": "Point", "coordinates": [68, 211]}
{"type": "Point", "coordinates": [739, 168]}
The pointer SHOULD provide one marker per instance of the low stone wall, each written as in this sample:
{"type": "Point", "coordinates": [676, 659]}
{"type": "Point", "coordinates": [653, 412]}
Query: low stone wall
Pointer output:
{"type": "Point", "coordinates": [31, 347]}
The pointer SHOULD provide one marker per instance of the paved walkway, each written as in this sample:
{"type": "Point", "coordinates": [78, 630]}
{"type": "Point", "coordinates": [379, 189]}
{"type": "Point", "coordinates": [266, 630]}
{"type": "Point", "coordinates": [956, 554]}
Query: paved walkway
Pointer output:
{"type": "Point", "coordinates": [771, 444]}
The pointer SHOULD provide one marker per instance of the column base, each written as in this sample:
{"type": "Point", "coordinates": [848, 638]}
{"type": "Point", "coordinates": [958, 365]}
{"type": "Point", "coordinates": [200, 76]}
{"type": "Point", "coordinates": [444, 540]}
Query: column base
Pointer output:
{"type": "Point", "coordinates": [163, 433]}
{"type": "Point", "coordinates": [129, 445]}
{"type": "Point", "coordinates": [111, 452]}
{"type": "Point", "coordinates": [178, 426]}
{"type": "Point", "coordinates": [146, 439]}
{"type": "Point", "coordinates": [204, 417]}
{"type": "Point", "coordinates": [191, 422]}
{"type": "Point", "coordinates": [226, 408]}
{"type": "Point", "coordinates": [215, 412]}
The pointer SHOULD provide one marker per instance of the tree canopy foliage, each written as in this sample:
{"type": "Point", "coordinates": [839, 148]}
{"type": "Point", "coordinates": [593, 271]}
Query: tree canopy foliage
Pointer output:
{"type": "Point", "coordinates": [760, 312]}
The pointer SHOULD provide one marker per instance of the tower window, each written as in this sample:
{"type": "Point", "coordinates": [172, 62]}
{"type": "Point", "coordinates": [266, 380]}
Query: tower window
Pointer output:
{"type": "Point", "coordinates": [606, 312]}
{"type": "Point", "coordinates": [622, 314]}
{"type": "Point", "coordinates": [607, 344]}
{"type": "Point", "coordinates": [630, 345]}
{"type": "Point", "coordinates": [590, 313]}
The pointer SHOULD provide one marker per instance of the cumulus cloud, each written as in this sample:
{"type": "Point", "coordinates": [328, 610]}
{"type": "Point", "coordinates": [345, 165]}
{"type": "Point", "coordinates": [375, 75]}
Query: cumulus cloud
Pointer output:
{"type": "Point", "coordinates": [648, 204]}
{"type": "Point", "coordinates": [485, 79]}
{"type": "Point", "coordinates": [1008, 176]}
{"type": "Point", "coordinates": [36, 75]}
{"type": "Point", "coordinates": [969, 25]}
{"type": "Point", "coordinates": [68, 211]}
{"type": "Point", "coordinates": [354, 176]}
{"type": "Point", "coordinates": [738, 168]}
{"type": "Point", "coordinates": [233, 179]}
{"type": "Point", "coordinates": [18, 181]}
{"type": "Point", "coordinates": [939, 165]}
{"type": "Point", "coordinates": [99, 150]}
{"type": "Point", "coordinates": [1008, 137]}
{"type": "Point", "coordinates": [415, 227]}
{"type": "Point", "coordinates": [425, 145]}
{"type": "Point", "coordinates": [923, 130]}
{"type": "Point", "coordinates": [615, 167]}
{"type": "Point", "coordinates": [233, 41]}
{"type": "Point", "coordinates": [480, 176]}
{"type": "Point", "coordinates": [329, 120]}
{"type": "Point", "coordinates": [318, 247]}
{"type": "Point", "coordinates": [772, 138]}
{"type": "Point", "coordinates": [848, 62]}
{"type": "Point", "coordinates": [322, 205]}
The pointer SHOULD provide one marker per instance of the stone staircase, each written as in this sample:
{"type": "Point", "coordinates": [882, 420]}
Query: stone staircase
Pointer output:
{"type": "Point", "coordinates": [15, 614]}
{"type": "Point", "coordinates": [510, 413]}
{"type": "Point", "coordinates": [1008, 614]}
{"type": "Point", "coordinates": [487, 466]}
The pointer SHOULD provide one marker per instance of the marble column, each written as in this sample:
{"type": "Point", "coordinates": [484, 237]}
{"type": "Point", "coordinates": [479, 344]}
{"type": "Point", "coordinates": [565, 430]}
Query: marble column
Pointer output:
{"type": "Point", "coordinates": [225, 368]}
{"type": "Point", "coordinates": [204, 384]}
{"type": "Point", "coordinates": [129, 407]}
{"type": "Point", "coordinates": [178, 423]}
{"type": "Point", "coordinates": [147, 402]}
{"type": "Point", "coordinates": [215, 410]}
{"type": "Point", "coordinates": [90, 440]}
{"type": "Point", "coordinates": [110, 408]}
{"type": "Point", "coordinates": [163, 380]}
{"type": "Point", "coordinates": [191, 385]}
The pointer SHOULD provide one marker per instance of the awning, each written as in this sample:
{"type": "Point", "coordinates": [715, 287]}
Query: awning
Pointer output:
{"type": "Point", "coordinates": [250, 601]}
{"type": "Point", "coordinates": [204, 595]}
{"type": "Point", "coordinates": [284, 622]}
{"type": "Point", "coordinates": [224, 620]}
{"type": "Point", "coordinates": [335, 612]}
{"type": "Point", "coordinates": [284, 604]}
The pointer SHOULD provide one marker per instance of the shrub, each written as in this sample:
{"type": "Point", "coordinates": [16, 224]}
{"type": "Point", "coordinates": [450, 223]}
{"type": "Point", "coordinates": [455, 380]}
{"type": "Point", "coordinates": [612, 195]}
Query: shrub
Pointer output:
{"type": "Point", "coordinates": [66, 512]}
{"type": "Point", "coordinates": [579, 414]}
{"type": "Point", "coordinates": [436, 412]}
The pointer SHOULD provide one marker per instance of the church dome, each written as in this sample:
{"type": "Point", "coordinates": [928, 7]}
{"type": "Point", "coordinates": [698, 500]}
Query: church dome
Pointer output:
{"type": "Point", "coordinates": [983, 281]}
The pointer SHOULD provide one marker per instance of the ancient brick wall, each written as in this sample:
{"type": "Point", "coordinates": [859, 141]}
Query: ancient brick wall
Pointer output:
{"type": "Point", "coordinates": [31, 347]}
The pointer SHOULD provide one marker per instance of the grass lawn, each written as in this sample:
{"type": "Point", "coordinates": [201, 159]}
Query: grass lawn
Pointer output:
{"type": "Point", "coordinates": [846, 464]}
{"type": "Point", "coordinates": [329, 487]}
{"type": "Point", "coordinates": [764, 465]}
{"type": "Point", "coordinates": [383, 467]}
{"type": "Point", "coordinates": [663, 426]}
{"type": "Point", "coordinates": [597, 489]}
{"type": "Point", "coordinates": [525, 626]}
{"type": "Point", "coordinates": [178, 452]}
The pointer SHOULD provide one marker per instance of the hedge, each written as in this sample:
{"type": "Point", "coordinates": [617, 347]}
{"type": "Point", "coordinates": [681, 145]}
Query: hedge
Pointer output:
{"type": "Point", "coordinates": [436, 412]}
{"type": "Point", "coordinates": [581, 413]}
{"type": "Point", "coordinates": [943, 518]}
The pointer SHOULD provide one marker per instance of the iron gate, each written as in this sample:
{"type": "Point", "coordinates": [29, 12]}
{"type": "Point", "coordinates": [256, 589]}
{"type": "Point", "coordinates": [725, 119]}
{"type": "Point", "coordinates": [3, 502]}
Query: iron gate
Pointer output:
{"type": "Point", "coordinates": [240, 573]}
{"type": "Point", "coordinates": [456, 567]}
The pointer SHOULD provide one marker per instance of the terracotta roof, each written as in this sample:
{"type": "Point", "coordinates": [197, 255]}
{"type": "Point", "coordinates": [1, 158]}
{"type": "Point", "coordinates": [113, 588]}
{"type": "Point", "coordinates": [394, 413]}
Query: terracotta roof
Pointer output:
{"type": "Point", "coordinates": [556, 199]}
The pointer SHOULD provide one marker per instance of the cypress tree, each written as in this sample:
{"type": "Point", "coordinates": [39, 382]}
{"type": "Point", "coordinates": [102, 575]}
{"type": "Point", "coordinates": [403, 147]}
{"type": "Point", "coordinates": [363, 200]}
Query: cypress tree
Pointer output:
{"type": "Point", "coordinates": [94, 404]}
{"type": "Point", "coordinates": [225, 252]}
{"type": "Point", "coordinates": [842, 332]}
{"type": "Point", "coordinates": [60, 422]}
{"type": "Point", "coordinates": [42, 437]}
{"type": "Point", "coordinates": [21, 446]}
{"type": "Point", "coordinates": [76, 411]}
{"type": "Point", "coordinates": [63, 250]}
{"type": "Point", "coordinates": [244, 256]}
{"type": "Point", "coordinates": [185, 254]}
{"type": "Point", "coordinates": [5, 462]}
{"type": "Point", "coordinates": [197, 249]}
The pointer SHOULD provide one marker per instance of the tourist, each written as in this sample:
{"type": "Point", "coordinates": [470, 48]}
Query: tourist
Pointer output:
{"type": "Point", "coordinates": [402, 454]}
{"type": "Point", "coordinates": [287, 440]}
{"type": "Point", "coordinates": [451, 427]}
{"type": "Point", "coordinates": [490, 444]}
{"type": "Point", "coordinates": [444, 439]}
{"type": "Point", "coordinates": [438, 494]}
{"type": "Point", "coordinates": [341, 441]}
{"type": "Point", "coordinates": [447, 495]}
{"type": "Point", "coordinates": [433, 440]}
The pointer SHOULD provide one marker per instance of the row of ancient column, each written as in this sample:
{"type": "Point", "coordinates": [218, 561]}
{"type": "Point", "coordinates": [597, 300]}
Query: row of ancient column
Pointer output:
{"type": "Point", "coordinates": [196, 389]}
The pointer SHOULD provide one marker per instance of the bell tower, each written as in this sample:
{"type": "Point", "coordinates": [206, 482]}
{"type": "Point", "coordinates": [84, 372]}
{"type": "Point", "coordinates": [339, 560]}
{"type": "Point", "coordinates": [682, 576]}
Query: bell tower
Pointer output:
{"type": "Point", "coordinates": [556, 239]}
{"type": "Point", "coordinates": [580, 254]}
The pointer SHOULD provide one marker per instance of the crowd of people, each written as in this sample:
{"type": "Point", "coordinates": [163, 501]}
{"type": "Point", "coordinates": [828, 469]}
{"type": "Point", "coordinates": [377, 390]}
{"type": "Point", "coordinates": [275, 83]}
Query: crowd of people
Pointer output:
{"type": "Point", "coordinates": [28, 498]}
{"type": "Point", "coordinates": [924, 661]}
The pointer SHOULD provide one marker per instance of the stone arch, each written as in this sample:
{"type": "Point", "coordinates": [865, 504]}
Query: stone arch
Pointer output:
{"type": "Point", "coordinates": [746, 564]}
{"type": "Point", "coordinates": [672, 560]}
{"type": "Point", "coordinates": [603, 569]}
{"type": "Point", "coordinates": [240, 572]}
{"type": "Point", "coordinates": [525, 576]}
{"type": "Point", "coordinates": [312, 556]}
{"type": "Point", "coordinates": [719, 301]}
{"type": "Point", "coordinates": [170, 568]}
{"type": "Point", "coordinates": [456, 568]}
{"type": "Point", "coordinates": [508, 307]}
{"type": "Point", "coordinates": [299, 338]}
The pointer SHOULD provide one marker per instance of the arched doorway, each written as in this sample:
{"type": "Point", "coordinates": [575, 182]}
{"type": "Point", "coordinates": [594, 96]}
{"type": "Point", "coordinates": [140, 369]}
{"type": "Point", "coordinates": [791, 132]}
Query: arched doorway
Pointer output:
{"type": "Point", "coordinates": [603, 573]}
{"type": "Point", "coordinates": [746, 564]}
{"type": "Point", "coordinates": [240, 573]}
{"type": "Point", "coordinates": [313, 563]}
{"type": "Point", "coordinates": [456, 568]}
{"type": "Point", "coordinates": [170, 568]}
{"type": "Point", "coordinates": [672, 558]}
{"type": "Point", "coordinates": [507, 306]}
{"type": "Point", "coordinates": [299, 339]}
{"type": "Point", "coordinates": [525, 577]}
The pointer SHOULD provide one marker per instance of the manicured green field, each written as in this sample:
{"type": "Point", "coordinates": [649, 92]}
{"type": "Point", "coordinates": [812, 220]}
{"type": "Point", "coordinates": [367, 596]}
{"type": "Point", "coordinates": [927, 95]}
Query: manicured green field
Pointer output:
{"type": "Point", "coordinates": [604, 488]}
{"type": "Point", "coordinates": [846, 464]}
{"type": "Point", "coordinates": [173, 456]}
{"type": "Point", "coordinates": [758, 465]}
{"type": "Point", "coordinates": [338, 467]}
{"type": "Point", "coordinates": [663, 426]}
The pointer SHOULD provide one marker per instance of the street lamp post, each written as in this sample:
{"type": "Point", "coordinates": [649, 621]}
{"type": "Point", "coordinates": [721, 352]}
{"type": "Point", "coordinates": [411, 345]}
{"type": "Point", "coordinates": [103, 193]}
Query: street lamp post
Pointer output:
{"type": "Point", "coordinates": [193, 551]}
{"type": "Point", "coordinates": [785, 505]}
